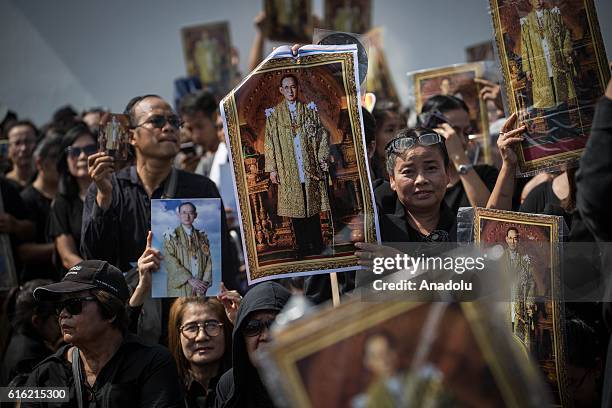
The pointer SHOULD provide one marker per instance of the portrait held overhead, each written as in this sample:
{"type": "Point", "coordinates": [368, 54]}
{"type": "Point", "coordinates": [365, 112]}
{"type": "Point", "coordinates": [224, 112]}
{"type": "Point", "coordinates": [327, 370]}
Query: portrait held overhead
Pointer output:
{"type": "Point", "coordinates": [309, 204]}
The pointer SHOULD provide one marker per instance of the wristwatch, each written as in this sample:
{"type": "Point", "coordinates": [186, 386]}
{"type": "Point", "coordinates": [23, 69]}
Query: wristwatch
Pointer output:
{"type": "Point", "coordinates": [463, 169]}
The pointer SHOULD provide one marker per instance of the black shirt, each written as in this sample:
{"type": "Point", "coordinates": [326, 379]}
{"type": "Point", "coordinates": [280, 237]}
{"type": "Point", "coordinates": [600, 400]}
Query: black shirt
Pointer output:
{"type": "Point", "coordinates": [456, 197]}
{"type": "Point", "coordinates": [138, 375]}
{"type": "Point", "coordinates": [22, 354]}
{"type": "Point", "coordinates": [13, 204]}
{"type": "Point", "coordinates": [65, 219]}
{"type": "Point", "coordinates": [38, 207]}
{"type": "Point", "coordinates": [118, 235]}
{"type": "Point", "coordinates": [197, 396]}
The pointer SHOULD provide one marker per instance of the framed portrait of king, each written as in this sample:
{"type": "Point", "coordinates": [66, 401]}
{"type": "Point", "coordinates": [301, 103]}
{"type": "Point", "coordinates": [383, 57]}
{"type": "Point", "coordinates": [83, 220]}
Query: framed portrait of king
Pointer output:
{"type": "Point", "coordinates": [208, 49]}
{"type": "Point", "coordinates": [399, 354]}
{"type": "Point", "coordinates": [528, 248]}
{"type": "Point", "coordinates": [555, 69]}
{"type": "Point", "coordinates": [457, 80]}
{"type": "Point", "coordinates": [295, 137]}
{"type": "Point", "coordinates": [288, 20]}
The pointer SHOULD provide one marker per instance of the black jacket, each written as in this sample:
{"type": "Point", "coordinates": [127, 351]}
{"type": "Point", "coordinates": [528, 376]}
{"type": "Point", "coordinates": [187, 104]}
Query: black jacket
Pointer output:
{"type": "Point", "coordinates": [241, 386]}
{"type": "Point", "coordinates": [22, 354]}
{"type": "Point", "coordinates": [138, 375]}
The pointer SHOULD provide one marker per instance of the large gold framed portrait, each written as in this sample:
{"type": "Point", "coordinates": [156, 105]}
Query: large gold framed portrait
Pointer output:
{"type": "Point", "coordinates": [400, 354]}
{"type": "Point", "coordinates": [528, 245]}
{"type": "Point", "coordinates": [295, 137]}
{"type": "Point", "coordinates": [555, 69]}
{"type": "Point", "coordinates": [379, 79]}
{"type": "Point", "coordinates": [457, 80]}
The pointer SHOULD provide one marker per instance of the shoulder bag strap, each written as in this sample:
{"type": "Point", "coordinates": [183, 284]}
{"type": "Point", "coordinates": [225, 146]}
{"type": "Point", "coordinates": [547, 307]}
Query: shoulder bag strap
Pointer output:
{"type": "Point", "coordinates": [76, 373]}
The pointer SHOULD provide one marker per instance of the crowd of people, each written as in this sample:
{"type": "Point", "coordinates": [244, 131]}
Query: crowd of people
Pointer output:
{"type": "Point", "coordinates": [81, 315]}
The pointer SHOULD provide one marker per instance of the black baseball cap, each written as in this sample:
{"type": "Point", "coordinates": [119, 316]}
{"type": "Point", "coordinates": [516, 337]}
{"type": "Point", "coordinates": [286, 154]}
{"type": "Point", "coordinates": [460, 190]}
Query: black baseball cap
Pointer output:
{"type": "Point", "coordinates": [86, 275]}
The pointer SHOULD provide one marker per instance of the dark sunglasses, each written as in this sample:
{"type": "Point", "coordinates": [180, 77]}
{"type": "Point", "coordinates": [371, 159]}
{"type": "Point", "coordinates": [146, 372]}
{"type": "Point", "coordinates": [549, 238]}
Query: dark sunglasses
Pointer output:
{"type": "Point", "coordinates": [401, 144]}
{"type": "Point", "coordinates": [256, 327]}
{"type": "Point", "coordinates": [212, 328]}
{"type": "Point", "coordinates": [73, 306]}
{"type": "Point", "coordinates": [76, 151]}
{"type": "Point", "coordinates": [159, 121]}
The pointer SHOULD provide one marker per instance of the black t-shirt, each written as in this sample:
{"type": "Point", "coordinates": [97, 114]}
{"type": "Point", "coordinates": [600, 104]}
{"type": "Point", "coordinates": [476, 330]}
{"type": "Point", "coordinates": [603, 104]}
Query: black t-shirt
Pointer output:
{"type": "Point", "coordinates": [456, 197]}
{"type": "Point", "coordinates": [138, 375]}
{"type": "Point", "coordinates": [13, 205]}
{"type": "Point", "coordinates": [539, 198]}
{"type": "Point", "coordinates": [38, 207]}
{"type": "Point", "coordinates": [65, 217]}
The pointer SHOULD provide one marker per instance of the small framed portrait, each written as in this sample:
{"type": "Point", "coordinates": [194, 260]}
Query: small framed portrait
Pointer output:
{"type": "Point", "coordinates": [528, 245]}
{"type": "Point", "coordinates": [555, 69]}
{"type": "Point", "coordinates": [457, 80]}
{"type": "Point", "coordinates": [187, 232]}
{"type": "Point", "coordinates": [399, 354]}
{"type": "Point", "coordinates": [349, 16]}
{"type": "Point", "coordinates": [288, 20]}
{"type": "Point", "coordinates": [295, 134]}
{"type": "Point", "coordinates": [114, 135]}
{"type": "Point", "coordinates": [208, 55]}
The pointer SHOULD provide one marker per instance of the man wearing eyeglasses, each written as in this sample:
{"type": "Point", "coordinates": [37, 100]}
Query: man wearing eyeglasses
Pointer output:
{"type": "Point", "coordinates": [117, 211]}
{"type": "Point", "coordinates": [296, 156]}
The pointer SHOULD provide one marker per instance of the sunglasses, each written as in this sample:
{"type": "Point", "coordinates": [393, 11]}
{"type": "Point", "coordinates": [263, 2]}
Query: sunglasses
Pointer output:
{"type": "Point", "coordinates": [75, 152]}
{"type": "Point", "coordinates": [256, 327]}
{"type": "Point", "coordinates": [73, 306]}
{"type": "Point", "coordinates": [212, 328]}
{"type": "Point", "coordinates": [401, 144]}
{"type": "Point", "coordinates": [159, 121]}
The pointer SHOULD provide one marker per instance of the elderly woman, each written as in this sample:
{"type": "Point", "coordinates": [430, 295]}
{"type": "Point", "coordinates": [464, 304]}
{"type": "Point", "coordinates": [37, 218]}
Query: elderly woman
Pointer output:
{"type": "Point", "coordinates": [103, 365]}
{"type": "Point", "coordinates": [200, 340]}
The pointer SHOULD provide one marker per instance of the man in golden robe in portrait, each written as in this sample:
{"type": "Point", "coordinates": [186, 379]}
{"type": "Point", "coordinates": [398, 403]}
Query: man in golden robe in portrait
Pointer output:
{"type": "Point", "coordinates": [546, 53]}
{"type": "Point", "coordinates": [187, 256]}
{"type": "Point", "coordinates": [523, 290]}
{"type": "Point", "coordinates": [296, 152]}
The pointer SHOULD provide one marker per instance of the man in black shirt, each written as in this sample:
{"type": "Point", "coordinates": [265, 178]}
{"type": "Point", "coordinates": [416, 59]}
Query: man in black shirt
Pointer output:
{"type": "Point", "coordinates": [117, 212]}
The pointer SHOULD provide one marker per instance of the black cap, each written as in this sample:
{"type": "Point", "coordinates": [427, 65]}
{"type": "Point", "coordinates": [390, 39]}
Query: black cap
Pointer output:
{"type": "Point", "coordinates": [87, 275]}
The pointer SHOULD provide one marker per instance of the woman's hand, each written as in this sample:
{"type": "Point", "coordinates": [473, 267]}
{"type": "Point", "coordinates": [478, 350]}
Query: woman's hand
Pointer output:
{"type": "Point", "coordinates": [454, 144]}
{"type": "Point", "coordinates": [231, 302]}
{"type": "Point", "coordinates": [508, 138]}
{"type": "Point", "coordinates": [148, 263]}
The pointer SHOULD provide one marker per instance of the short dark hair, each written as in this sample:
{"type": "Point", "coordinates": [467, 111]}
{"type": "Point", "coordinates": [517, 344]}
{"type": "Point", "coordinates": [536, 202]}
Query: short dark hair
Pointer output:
{"type": "Point", "coordinates": [288, 76]}
{"type": "Point", "coordinates": [24, 122]}
{"type": "Point", "coordinates": [203, 101]}
{"type": "Point", "coordinates": [111, 306]}
{"type": "Point", "coordinates": [129, 108]}
{"type": "Point", "coordinates": [444, 103]}
{"type": "Point", "coordinates": [414, 134]}
{"type": "Point", "coordinates": [512, 229]}
{"type": "Point", "coordinates": [50, 147]}
{"type": "Point", "coordinates": [187, 203]}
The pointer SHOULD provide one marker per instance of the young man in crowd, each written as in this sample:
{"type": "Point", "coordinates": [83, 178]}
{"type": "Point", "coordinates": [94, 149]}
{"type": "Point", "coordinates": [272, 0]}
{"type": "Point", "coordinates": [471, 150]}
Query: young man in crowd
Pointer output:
{"type": "Point", "coordinates": [22, 141]}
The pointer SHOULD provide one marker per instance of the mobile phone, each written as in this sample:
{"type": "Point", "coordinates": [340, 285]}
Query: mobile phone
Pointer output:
{"type": "Point", "coordinates": [188, 148]}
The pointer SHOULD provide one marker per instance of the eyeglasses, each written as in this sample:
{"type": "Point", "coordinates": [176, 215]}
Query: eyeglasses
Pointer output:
{"type": "Point", "coordinates": [73, 306]}
{"type": "Point", "coordinates": [256, 327]}
{"type": "Point", "coordinates": [76, 151]}
{"type": "Point", "coordinates": [159, 121]}
{"type": "Point", "coordinates": [211, 327]}
{"type": "Point", "coordinates": [406, 142]}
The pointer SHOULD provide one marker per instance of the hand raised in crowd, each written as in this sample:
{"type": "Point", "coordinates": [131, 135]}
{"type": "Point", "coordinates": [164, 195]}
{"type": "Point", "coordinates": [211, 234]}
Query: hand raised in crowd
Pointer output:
{"type": "Point", "coordinates": [509, 137]}
{"type": "Point", "coordinates": [231, 301]}
{"type": "Point", "coordinates": [7, 223]}
{"type": "Point", "coordinates": [199, 287]}
{"type": "Point", "coordinates": [490, 91]}
{"type": "Point", "coordinates": [148, 263]}
{"type": "Point", "coordinates": [260, 20]}
{"type": "Point", "coordinates": [101, 167]}
{"type": "Point", "coordinates": [454, 144]}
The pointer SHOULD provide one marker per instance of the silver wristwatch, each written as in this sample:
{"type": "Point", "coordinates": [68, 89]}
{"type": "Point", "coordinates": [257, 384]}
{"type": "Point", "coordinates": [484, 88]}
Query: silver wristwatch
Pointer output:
{"type": "Point", "coordinates": [464, 168]}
